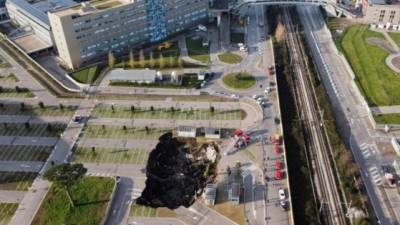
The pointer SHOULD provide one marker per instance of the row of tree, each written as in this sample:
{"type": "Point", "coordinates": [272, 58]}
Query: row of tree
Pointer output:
{"type": "Point", "coordinates": [162, 61]}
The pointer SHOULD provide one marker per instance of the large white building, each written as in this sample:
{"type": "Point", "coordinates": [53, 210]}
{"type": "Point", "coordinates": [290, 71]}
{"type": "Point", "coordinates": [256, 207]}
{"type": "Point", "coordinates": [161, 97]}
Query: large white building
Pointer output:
{"type": "Point", "coordinates": [87, 32]}
{"type": "Point", "coordinates": [31, 17]}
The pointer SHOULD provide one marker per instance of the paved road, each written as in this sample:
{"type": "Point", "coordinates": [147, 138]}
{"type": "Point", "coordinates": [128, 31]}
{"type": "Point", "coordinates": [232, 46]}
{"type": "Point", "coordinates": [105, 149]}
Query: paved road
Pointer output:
{"type": "Point", "coordinates": [154, 221]}
{"type": "Point", "coordinates": [121, 203]}
{"type": "Point", "coordinates": [33, 119]}
{"type": "Point", "coordinates": [35, 141]}
{"type": "Point", "coordinates": [22, 166]}
{"type": "Point", "coordinates": [11, 196]}
{"type": "Point", "coordinates": [347, 106]}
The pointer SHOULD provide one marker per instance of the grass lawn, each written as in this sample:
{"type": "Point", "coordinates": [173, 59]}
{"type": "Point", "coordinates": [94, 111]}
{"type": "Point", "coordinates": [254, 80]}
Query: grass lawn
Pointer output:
{"type": "Point", "coordinates": [86, 76]}
{"type": "Point", "coordinates": [196, 50]}
{"type": "Point", "coordinates": [387, 118]}
{"type": "Point", "coordinates": [15, 93]}
{"type": "Point", "coordinates": [111, 155]}
{"type": "Point", "coordinates": [6, 212]}
{"type": "Point", "coordinates": [17, 181]}
{"type": "Point", "coordinates": [230, 58]}
{"type": "Point", "coordinates": [142, 211]}
{"type": "Point", "coordinates": [35, 130]}
{"type": "Point", "coordinates": [395, 36]}
{"type": "Point", "coordinates": [10, 78]}
{"type": "Point", "coordinates": [240, 81]}
{"type": "Point", "coordinates": [15, 109]}
{"type": "Point", "coordinates": [91, 196]}
{"type": "Point", "coordinates": [378, 83]}
{"type": "Point", "coordinates": [118, 132]}
{"type": "Point", "coordinates": [162, 113]}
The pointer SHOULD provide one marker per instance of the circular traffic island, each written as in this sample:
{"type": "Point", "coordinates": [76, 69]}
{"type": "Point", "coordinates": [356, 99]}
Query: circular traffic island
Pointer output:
{"type": "Point", "coordinates": [239, 80]}
{"type": "Point", "coordinates": [230, 58]}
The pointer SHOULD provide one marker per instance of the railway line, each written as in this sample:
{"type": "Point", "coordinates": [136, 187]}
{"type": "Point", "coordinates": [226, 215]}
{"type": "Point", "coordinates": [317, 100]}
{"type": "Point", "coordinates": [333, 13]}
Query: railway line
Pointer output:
{"type": "Point", "coordinates": [324, 177]}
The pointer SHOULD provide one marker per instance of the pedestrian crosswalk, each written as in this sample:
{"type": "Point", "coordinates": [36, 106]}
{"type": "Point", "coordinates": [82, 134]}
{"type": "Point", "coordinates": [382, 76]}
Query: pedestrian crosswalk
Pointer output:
{"type": "Point", "coordinates": [375, 175]}
{"type": "Point", "coordinates": [367, 150]}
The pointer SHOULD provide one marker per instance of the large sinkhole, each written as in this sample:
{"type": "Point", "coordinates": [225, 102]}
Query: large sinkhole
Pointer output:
{"type": "Point", "coordinates": [177, 171]}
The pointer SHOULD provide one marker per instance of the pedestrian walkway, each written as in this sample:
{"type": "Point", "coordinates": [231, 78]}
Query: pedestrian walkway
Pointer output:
{"type": "Point", "coordinates": [184, 54]}
{"type": "Point", "coordinates": [385, 109]}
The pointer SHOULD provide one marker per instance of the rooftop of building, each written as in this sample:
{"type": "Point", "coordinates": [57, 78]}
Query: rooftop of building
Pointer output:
{"type": "Point", "coordinates": [37, 9]}
{"type": "Point", "coordinates": [92, 6]}
{"type": "Point", "coordinates": [132, 75]}
{"type": "Point", "coordinates": [384, 2]}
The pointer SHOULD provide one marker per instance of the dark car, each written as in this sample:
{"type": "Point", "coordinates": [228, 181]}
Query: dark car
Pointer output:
{"type": "Point", "coordinates": [284, 205]}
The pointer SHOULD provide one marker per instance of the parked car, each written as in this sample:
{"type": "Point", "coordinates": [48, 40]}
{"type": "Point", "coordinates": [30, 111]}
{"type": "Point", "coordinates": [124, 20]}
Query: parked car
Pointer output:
{"type": "Point", "coordinates": [77, 118]}
{"type": "Point", "coordinates": [284, 205]}
{"type": "Point", "coordinates": [282, 194]}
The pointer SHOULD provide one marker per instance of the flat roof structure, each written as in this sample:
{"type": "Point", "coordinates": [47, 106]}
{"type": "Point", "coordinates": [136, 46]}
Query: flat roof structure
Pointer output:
{"type": "Point", "coordinates": [186, 131]}
{"type": "Point", "coordinates": [37, 9]}
{"type": "Point", "coordinates": [31, 43]}
{"type": "Point", "coordinates": [210, 194]}
{"type": "Point", "coordinates": [139, 76]}
{"type": "Point", "coordinates": [92, 6]}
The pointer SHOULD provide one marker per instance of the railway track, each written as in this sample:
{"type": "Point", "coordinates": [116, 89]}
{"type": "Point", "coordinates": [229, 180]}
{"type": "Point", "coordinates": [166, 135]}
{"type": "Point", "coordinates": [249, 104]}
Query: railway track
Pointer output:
{"type": "Point", "coordinates": [324, 177]}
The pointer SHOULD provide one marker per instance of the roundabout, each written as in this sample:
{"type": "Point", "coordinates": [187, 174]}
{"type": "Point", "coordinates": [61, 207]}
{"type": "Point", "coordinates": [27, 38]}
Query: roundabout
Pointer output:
{"type": "Point", "coordinates": [239, 80]}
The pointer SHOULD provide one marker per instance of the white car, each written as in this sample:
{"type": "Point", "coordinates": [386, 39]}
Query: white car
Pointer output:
{"type": "Point", "coordinates": [255, 97]}
{"type": "Point", "coordinates": [282, 195]}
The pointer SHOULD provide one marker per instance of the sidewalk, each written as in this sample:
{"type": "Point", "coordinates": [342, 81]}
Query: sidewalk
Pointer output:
{"type": "Point", "coordinates": [386, 109]}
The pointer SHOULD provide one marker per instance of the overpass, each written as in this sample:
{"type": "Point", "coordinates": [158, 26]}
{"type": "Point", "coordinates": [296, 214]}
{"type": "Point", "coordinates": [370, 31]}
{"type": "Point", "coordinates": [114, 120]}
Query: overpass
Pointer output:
{"type": "Point", "coordinates": [330, 5]}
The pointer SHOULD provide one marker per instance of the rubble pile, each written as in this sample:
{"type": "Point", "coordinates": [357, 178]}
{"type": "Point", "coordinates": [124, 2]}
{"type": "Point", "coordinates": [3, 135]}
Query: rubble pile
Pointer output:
{"type": "Point", "coordinates": [178, 170]}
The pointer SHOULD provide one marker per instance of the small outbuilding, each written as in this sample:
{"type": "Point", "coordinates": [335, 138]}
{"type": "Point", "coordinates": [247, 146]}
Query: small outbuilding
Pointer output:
{"type": "Point", "coordinates": [186, 131]}
{"type": "Point", "coordinates": [133, 76]}
{"type": "Point", "coordinates": [213, 133]}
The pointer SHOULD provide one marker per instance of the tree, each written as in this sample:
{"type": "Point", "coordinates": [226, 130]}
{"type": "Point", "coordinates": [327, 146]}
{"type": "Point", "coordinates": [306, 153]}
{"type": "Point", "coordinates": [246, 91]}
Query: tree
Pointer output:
{"type": "Point", "coordinates": [172, 109]}
{"type": "Point", "coordinates": [41, 105]}
{"type": "Point", "coordinates": [132, 108]}
{"type": "Point", "coordinates": [212, 109]}
{"type": "Point", "coordinates": [131, 60]}
{"type": "Point", "coordinates": [1, 105]}
{"type": "Point", "coordinates": [94, 150]}
{"type": "Point", "coordinates": [147, 129]}
{"type": "Point", "coordinates": [1, 89]}
{"type": "Point", "coordinates": [49, 128]}
{"type": "Point", "coordinates": [66, 175]}
{"type": "Point", "coordinates": [151, 108]}
{"type": "Point", "coordinates": [27, 125]}
{"type": "Point", "coordinates": [22, 106]}
{"type": "Point", "coordinates": [111, 59]}
{"type": "Point", "coordinates": [151, 60]}
{"type": "Point", "coordinates": [112, 108]}
{"type": "Point", "coordinates": [142, 60]}
{"type": "Point", "coordinates": [180, 63]}
{"type": "Point", "coordinates": [161, 61]}
{"type": "Point", "coordinates": [171, 62]}
{"type": "Point", "coordinates": [61, 106]}
{"type": "Point", "coordinates": [124, 128]}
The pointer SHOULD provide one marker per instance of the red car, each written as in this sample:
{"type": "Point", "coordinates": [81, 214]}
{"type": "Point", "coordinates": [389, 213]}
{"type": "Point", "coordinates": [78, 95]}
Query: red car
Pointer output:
{"type": "Point", "coordinates": [271, 70]}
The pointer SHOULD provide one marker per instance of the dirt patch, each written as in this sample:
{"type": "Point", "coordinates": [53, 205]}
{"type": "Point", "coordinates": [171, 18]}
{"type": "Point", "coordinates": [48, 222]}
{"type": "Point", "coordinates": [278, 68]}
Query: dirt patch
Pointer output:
{"type": "Point", "coordinates": [178, 170]}
{"type": "Point", "coordinates": [381, 43]}
{"type": "Point", "coordinates": [280, 32]}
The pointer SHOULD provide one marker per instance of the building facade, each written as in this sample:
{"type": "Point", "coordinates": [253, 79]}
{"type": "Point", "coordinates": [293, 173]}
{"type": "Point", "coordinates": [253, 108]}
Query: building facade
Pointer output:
{"type": "Point", "coordinates": [85, 33]}
{"type": "Point", "coordinates": [381, 12]}
{"type": "Point", "coordinates": [32, 15]}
